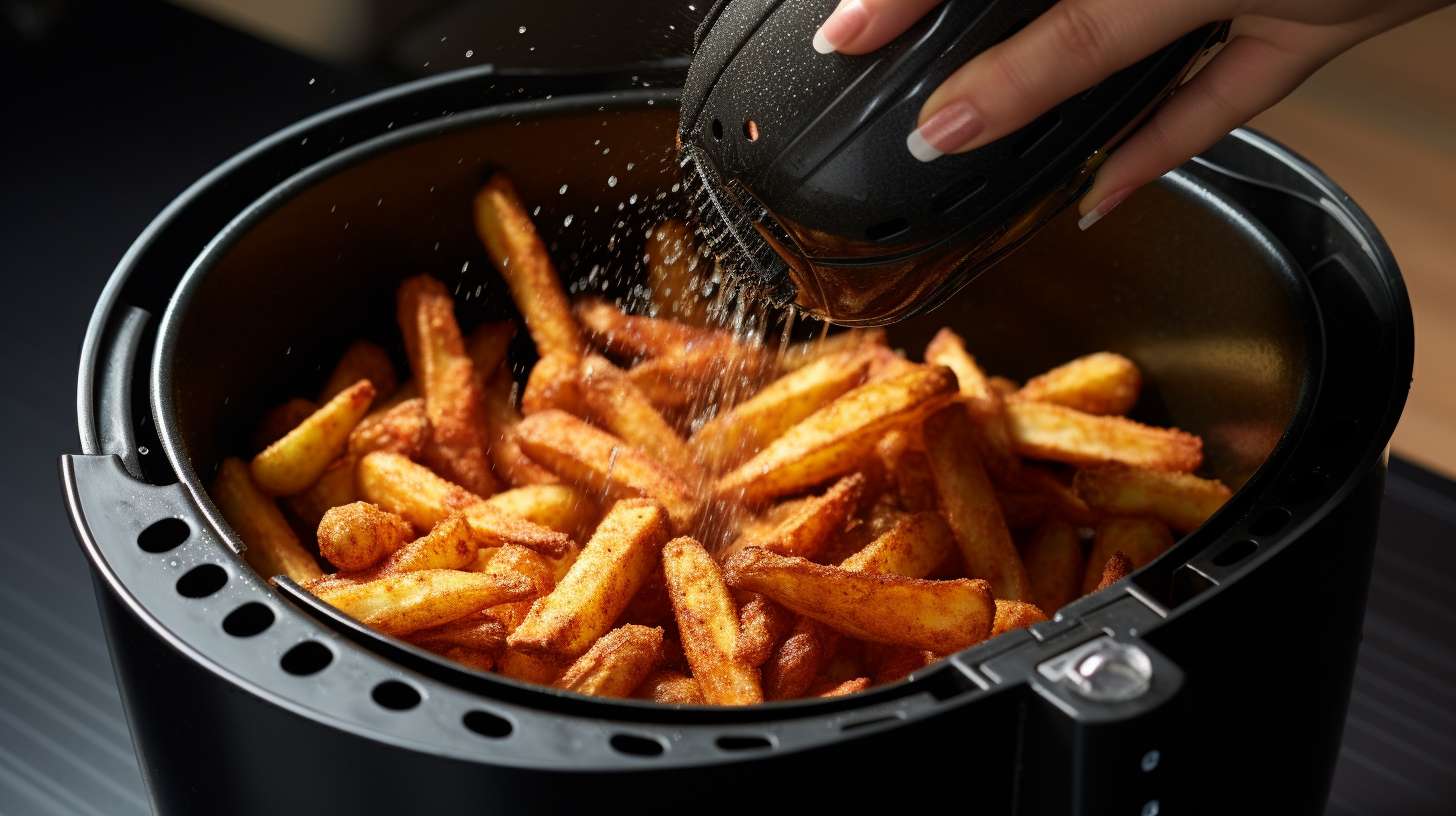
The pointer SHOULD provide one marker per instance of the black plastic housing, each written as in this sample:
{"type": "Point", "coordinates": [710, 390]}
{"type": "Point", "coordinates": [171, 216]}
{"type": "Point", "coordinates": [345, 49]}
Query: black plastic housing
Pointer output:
{"type": "Point", "coordinates": [1284, 338]}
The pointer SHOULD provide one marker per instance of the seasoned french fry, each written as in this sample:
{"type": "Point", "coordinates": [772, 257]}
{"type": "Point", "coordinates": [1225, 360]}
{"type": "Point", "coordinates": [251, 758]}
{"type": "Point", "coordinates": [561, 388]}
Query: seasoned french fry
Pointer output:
{"type": "Point", "coordinates": [513, 559]}
{"type": "Point", "coordinates": [886, 364]}
{"type": "Point", "coordinates": [362, 360]}
{"type": "Point", "coordinates": [853, 686]}
{"type": "Point", "coordinates": [1055, 496]}
{"type": "Point", "coordinates": [469, 658]}
{"type": "Point", "coordinates": [1140, 539]}
{"type": "Point", "coordinates": [893, 663]}
{"type": "Point", "coordinates": [280, 420]}
{"type": "Point", "coordinates": [1118, 567]}
{"type": "Point", "coordinates": [335, 487]}
{"type": "Point", "coordinates": [810, 351]}
{"type": "Point", "coordinates": [670, 688]}
{"type": "Point", "coordinates": [403, 429]}
{"type": "Point", "coordinates": [717, 373]}
{"type": "Point", "coordinates": [296, 461]}
{"type": "Point", "coordinates": [761, 625]}
{"type": "Point", "coordinates": [1005, 386]}
{"type": "Point", "coordinates": [1180, 500]}
{"type": "Point", "coordinates": [1015, 615]}
{"type": "Point", "coordinates": [401, 604]}
{"type": "Point", "coordinates": [560, 507]}
{"type": "Point", "coordinates": [633, 337]}
{"type": "Point", "coordinates": [795, 664]}
{"type": "Point", "coordinates": [729, 438]}
{"type": "Point", "coordinates": [1042, 430]}
{"type": "Point", "coordinates": [909, 470]}
{"type": "Point", "coordinates": [969, 505]}
{"type": "Point", "coordinates": [505, 450]}
{"type": "Point", "coordinates": [359, 535]}
{"type": "Point", "coordinates": [835, 439]}
{"type": "Point", "coordinates": [1101, 383]}
{"type": "Point", "coordinates": [456, 446]}
{"type": "Point", "coordinates": [913, 547]}
{"type": "Point", "coordinates": [448, 545]}
{"type": "Point", "coordinates": [616, 664]}
{"type": "Point", "coordinates": [602, 464]}
{"type": "Point", "coordinates": [708, 624]}
{"type": "Point", "coordinates": [611, 568]}
{"type": "Point", "coordinates": [624, 410]}
{"type": "Point", "coordinates": [942, 616]}
{"type": "Point", "coordinates": [673, 269]}
{"type": "Point", "coordinates": [529, 668]}
{"type": "Point", "coordinates": [985, 403]}
{"type": "Point", "coordinates": [424, 499]}
{"type": "Point", "coordinates": [272, 547]}
{"type": "Point", "coordinates": [554, 385]}
{"type": "Point", "coordinates": [517, 252]}
{"type": "Point", "coordinates": [478, 631]}
{"type": "Point", "coordinates": [1053, 558]}
{"type": "Point", "coordinates": [487, 346]}
{"type": "Point", "coordinates": [807, 530]}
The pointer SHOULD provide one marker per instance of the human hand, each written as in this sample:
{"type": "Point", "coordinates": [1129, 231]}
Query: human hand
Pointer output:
{"type": "Point", "coordinates": [1274, 46]}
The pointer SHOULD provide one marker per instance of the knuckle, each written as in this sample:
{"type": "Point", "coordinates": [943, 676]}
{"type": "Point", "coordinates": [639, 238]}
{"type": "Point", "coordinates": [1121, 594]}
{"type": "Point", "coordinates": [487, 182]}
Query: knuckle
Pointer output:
{"type": "Point", "coordinates": [1079, 33]}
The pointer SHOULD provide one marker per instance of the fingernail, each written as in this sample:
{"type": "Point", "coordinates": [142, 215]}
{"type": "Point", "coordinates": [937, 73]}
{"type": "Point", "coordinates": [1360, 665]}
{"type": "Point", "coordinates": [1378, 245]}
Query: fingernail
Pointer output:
{"type": "Point", "coordinates": [950, 127]}
{"type": "Point", "coordinates": [843, 25]}
{"type": "Point", "coordinates": [1103, 207]}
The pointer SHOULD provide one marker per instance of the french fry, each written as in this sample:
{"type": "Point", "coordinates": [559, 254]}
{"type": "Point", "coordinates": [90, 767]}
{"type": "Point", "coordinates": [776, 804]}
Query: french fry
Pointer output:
{"type": "Point", "coordinates": [281, 419]}
{"type": "Point", "coordinates": [893, 663]}
{"type": "Point", "coordinates": [670, 688]}
{"type": "Point", "coordinates": [1101, 383]}
{"type": "Point", "coordinates": [602, 464]}
{"type": "Point", "coordinates": [1180, 500]}
{"type": "Point", "coordinates": [362, 360]}
{"type": "Point", "coordinates": [762, 624]}
{"type": "Point", "coordinates": [424, 499]}
{"type": "Point", "coordinates": [1005, 386]}
{"type": "Point", "coordinates": [913, 547]}
{"type": "Point", "coordinates": [985, 403]}
{"type": "Point", "coordinates": [448, 545]}
{"type": "Point", "coordinates": [611, 568]}
{"type": "Point", "coordinates": [517, 252]}
{"type": "Point", "coordinates": [729, 438]}
{"type": "Point", "coordinates": [708, 624]}
{"type": "Point", "coordinates": [335, 487]}
{"type": "Point", "coordinates": [560, 507]}
{"type": "Point", "coordinates": [487, 347]}
{"type": "Point", "coordinates": [1042, 430]}
{"type": "Point", "coordinates": [1118, 567]}
{"type": "Point", "coordinates": [554, 385]}
{"type": "Point", "coordinates": [807, 530]}
{"type": "Point", "coordinates": [456, 447]}
{"type": "Point", "coordinates": [621, 408]}
{"type": "Point", "coordinates": [634, 337]}
{"type": "Point", "coordinates": [795, 664]}
{"type": "Point", "coordinates": [942, 616]}
{"type": "Point", "coordinates": [1015, 615]}
{"type": "Point", "coordinates": [716, 373]}
{"type": "Point", "coordinates": [909, 470]}
{"type": "Point", "coordinates": [1140, 539]}
{"type": "Point", "coordinates": [616, 664]}
{"type": "Point", "coordinates": [835, 439]}
{"type": "Point", "coordinates": [513, 559]}
{"type": "Point", "coordinates": [359, 535]}
{"type": "Point", "coordinates": [529, 668]}
{"type": "Point", "coordinates": [403, 429]}
{"type": "Point", "coordinates": [296, 461]}
{"type": "Point", "coordinates": [505, 451]}
{"type": "Point", "coordinates": [272, 547]}
{"type": "Point", "coordinates": [673, 269]}
{"type": "Point", "coordinates": [1057, 498]}
{"type": "Point", "coordinates": [409, 602]}
{"type": "Point", "coordinates": [846, 687]}
{"type": "Point", "coordinates": [1053, 558]}
{"type": "Point", "coordinates": [804, 353]}
{"type": "Point", "coordinates": [469, 658]}
{"type": "Point", "coordinates": [965, 497]}
{"type": "Point", "coordinates": [477, 631]}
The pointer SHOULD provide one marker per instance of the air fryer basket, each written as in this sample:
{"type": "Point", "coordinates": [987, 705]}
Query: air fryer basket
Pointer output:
{"type": "Point", "coordinates": [1260, 302]}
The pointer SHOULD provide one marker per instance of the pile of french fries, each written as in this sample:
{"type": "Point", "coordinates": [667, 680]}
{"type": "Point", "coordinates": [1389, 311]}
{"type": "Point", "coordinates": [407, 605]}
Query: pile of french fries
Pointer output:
{"type": "Point", "coordinates": [671, 513]}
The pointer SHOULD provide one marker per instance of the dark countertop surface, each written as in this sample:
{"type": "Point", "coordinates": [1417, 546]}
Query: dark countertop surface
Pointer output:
{"type": "Point", "coordinates": [120, 109]}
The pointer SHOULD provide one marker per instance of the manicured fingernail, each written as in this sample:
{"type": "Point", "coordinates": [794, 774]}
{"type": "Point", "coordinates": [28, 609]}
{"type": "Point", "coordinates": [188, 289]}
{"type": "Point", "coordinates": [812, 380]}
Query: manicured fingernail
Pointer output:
{"type": "Point", "coordinates": [950, 127]}
{"type": "Point", "coordinates": [1105, 206]}
{"type": "Point", "coordinates": [843, 25]}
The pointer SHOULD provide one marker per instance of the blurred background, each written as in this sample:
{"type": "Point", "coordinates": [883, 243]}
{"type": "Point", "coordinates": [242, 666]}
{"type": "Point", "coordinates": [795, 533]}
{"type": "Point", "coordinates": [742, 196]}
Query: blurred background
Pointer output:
{"type": "Point", "coordinates": [113, 107]}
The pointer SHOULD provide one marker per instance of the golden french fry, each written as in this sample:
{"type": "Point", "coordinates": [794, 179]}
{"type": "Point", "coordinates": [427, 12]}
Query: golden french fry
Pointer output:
{"type": "Point", "coordinates": [852, 686]}
{"type": "Point", "coordinates": [675, 272]}
{"type": "Point", "coordinates": [505, 450]}
{"type": "Point", "coordinates": [624, 410]}
{"type": "Point", "coordinates": [807, 530]}
{"type": "Point", "coordinates": [478, 631]}
{"type": "Point", "coordinates": [948, 349]}
{"type": "Point", "coordinates": [761, 625]}
{"type": "Point", "coordinates": [1005, 386]}
{"type": "Point", "coordinates": [281, 419]}
{"type": "Point", "coordinates": [409, 602]}
{"type": "Point", "coordinates": [335, 487]}
{"type": "Point", "coordinates": [913, 547]}
{"type": "Point", "coordinates": [1101, 383]}
{"type": "Point", "coordinates": [560, 507]}
{"type": "Point", "coordinates": [893, 663]}
{"type": "Point", "coordinates": [1118, 567]}
{"type": "Point", "coordinates": [635, 337]}
{"type": "Point", "coordinates": [886, 363]}
{"type": "Point", "coordinates": [837, 438]}
{"type": "Point", "coordinates": [1180, 500]}
{"type": "Point", "coordinates": [362, 360]}
{"type": "Point", "coordinates": [801, 354]}
{"type": "Point", "coordinates": [970, 507]}
{"type": "Point", "coordinates": [942, 616]}
{"type": "Point", "coordinates": [603, 464]}
{"type": "Point", "coordinates": [670, 688]}
{"type": "Point", "coordinates": [554, 384]}
{"type": "Point", "coordinates": [616, 664]}
{"type": "Point", "coordinates": [517, 252]}
{"type": "Point", "coordinates": [715, 373]}
{"type": "Point", "coordinates": [732, 436]}
{"type": "Point", "coordinates": [909, 470]}
{"type": "Point", "coordinates": [794, 665]}
{"type": "Point", "coordinates": [448, 545]}
{"type": "Point", "coordinates": [424, 499]}
{"type": "Point", "coordinates": [296, 461]}
{"type": "Point", "coordinates": [403, 429]}
{"type": "Point", "coordinates": [528, 668]}
{"type": "Point", "coordinates": [1042, 430]}
{"type": "Point", "coordinates": [1053, 558]}
{"type": "Point", "coordinates": [359, 535]}
{"type": "Point", "coordinates": [1015, 615]}
{"type": "Point", "coordinates": [1140, 539]}
{"type": "Point", "coordinates": [272, 547]}
{"type": "Point", "coordinates": [456, 447]}
{"type": "Point", "coordinates": [708, 624]}
{"type": "Point", "coordinates": [487, 347]}
{"type": "Point", "coordinates": [476, 659]}
{"type": "Point", "coordinates": [611, 568]}
{"type": "Point", "coordinates": [513, 559]}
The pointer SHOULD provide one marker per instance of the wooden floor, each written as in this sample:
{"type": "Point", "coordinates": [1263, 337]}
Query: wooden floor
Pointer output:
{"type": "Point", "coordinates": [1381, 120]}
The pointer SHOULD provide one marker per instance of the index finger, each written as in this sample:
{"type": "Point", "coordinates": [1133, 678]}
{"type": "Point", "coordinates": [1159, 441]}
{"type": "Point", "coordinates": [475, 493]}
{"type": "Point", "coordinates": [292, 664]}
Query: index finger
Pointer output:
{"type": "Point", "coordinates": [861, 26]}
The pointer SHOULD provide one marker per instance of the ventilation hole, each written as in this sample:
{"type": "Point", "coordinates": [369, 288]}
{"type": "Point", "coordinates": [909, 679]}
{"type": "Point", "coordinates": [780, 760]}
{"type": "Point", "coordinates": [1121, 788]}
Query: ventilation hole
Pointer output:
{"type": "Point", "coordinates": [308, 657]}
{"type": "Point", "coordinates": [717, 129]}
{"type": "Point", "coordinates": [886, 230]}
{"type": "Point", "coordinates": [487, 724]}
{"type": "Point", "coordinates": [1270, 521]}
{"type": "Point", "coordinates": [1234, 553]}
{"type": "Point", "coordinates": [396, 696]}
{"type": "Point", "coordinates": [750, 130]}
{"type": "Point", "coordinates": [744, 743]}
{"type": "Point", "coordinates": [201, 581]}
{"type": "Point", "coordinates": [163, 535]}
{"type": "Point", "coordinates": [857, 724]}
{"type": "Point", "coordinates": [633, 745]}
{"type": "Point", "coordinates": [957, 194]}
{"type": "Point", "coordinates": [1031, 137]}
{"type": "Point", "coordinates": [247, 620]}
